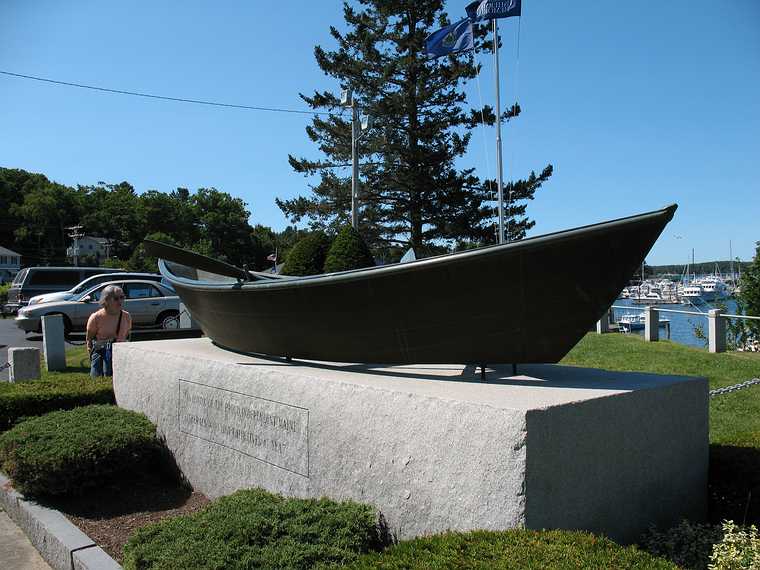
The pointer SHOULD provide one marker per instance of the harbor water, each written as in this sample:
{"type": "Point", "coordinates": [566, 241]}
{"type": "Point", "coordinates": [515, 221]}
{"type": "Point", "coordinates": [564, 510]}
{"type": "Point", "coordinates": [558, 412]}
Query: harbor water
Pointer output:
{"type": "Point", "coordinates": [682, 327]}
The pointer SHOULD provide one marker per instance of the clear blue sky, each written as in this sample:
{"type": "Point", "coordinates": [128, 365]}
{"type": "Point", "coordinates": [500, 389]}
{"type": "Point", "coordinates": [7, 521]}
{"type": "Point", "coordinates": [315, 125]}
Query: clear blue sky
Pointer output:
{"type": "Point", "coordinates": [636, 104]}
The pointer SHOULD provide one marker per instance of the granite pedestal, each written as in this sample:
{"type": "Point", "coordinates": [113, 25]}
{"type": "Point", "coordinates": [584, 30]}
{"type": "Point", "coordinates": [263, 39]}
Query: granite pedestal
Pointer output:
{"type": "Point", "coordinates": [431, 446]}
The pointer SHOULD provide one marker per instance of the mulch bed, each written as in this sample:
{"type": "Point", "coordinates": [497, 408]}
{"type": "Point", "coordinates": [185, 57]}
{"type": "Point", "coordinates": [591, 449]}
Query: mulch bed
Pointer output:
{"type": "Point", "coordinates": [110, 514]}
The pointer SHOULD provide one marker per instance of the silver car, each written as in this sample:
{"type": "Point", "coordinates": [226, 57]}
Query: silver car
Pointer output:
{"type": "Point", "coordinates": [150, 304]}
{"type": "Point", "coordinates": [88, 284]}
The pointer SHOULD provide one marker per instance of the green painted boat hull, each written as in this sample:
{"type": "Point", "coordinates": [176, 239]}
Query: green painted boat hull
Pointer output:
{"type": "Point", "coordinates": [525, 302]}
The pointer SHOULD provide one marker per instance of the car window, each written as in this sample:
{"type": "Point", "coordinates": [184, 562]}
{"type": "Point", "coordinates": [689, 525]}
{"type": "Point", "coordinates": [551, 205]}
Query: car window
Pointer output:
{"type": "Point", "coordinates": [54, 277]}
{"type": "Point", "coordinates": [140, 291]}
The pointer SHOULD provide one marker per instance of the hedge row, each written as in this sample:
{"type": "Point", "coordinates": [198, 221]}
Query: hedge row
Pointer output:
{"type": "Point", "coordinates": [69, 452]}
{"type": "Point", "coordinates": [511, 550]}
{"type": "Point", "coordinates": [256, 529]}
{"type": "Point", "coordinates": [27, 399]}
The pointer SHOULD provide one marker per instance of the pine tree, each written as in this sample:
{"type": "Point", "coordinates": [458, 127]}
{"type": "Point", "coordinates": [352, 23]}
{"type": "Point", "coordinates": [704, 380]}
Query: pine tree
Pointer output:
{"type": "Point", "coordinates": [749, 295]}
{"type": "Point", "coordinates": [411, 193]}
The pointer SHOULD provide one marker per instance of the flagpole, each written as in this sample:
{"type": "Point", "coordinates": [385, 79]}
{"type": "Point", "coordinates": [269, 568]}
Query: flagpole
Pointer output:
{"type": "Point", "coordinates": [498, 129]}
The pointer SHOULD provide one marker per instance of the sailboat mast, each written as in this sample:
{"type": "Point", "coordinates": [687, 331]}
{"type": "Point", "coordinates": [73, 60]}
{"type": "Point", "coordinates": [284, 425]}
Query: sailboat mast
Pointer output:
{"type": "Point", "coordinates": [498, 129]}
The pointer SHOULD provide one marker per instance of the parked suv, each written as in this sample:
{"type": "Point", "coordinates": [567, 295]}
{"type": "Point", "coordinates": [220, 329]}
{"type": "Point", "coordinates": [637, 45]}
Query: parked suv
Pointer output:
{"type": "Point", "coordinates": [40, 280]}
{"type": "Point", "coordinates": [89, 283]}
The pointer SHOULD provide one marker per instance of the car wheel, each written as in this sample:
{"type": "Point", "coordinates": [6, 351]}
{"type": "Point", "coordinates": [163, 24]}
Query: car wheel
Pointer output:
{"type": "Point", "coordinates": [168, 320]}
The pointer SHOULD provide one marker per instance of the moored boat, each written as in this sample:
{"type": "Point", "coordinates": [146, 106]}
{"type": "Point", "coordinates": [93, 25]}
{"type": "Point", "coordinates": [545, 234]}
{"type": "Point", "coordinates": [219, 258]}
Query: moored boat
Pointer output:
{"type": "Point", "coordinates": [637, 322]}
{"type": "Point", "coordinates": [496, 304]}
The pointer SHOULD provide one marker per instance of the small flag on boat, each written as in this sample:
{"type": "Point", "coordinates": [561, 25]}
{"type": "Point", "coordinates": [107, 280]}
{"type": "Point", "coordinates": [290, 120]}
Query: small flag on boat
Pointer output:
{"type": "Point", "coordinates": [272, 257]}
{"type": "Point", "coordinates": [492, 9]}
{"type": "Point", "coordinates": [450, 39]}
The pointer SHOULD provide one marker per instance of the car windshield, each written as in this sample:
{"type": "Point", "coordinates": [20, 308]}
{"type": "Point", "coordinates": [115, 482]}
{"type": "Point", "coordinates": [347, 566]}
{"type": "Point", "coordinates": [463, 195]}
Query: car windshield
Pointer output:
{"type": "Point", "coordinates": [20, 276]}
{"type": "Point", "coordinates": [93, 292]}
{"type": "Point", "coordinates": [91, 282]}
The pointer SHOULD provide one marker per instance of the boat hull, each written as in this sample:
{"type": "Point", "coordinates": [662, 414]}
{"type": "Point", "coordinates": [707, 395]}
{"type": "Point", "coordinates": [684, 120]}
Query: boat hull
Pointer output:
{"type": "Point", "coordinates": [526, 302]}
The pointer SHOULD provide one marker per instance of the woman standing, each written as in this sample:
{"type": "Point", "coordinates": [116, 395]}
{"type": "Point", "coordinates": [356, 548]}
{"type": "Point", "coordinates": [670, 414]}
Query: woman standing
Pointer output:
{"type": "Point", "coordinates": [105, 326]}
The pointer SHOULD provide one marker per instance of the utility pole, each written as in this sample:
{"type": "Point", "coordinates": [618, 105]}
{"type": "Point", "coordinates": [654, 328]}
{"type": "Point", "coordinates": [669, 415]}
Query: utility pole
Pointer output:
{"type": "Point", "coordinates": [75, 233]}
{"type": "Point", "coordinates": [357, 131]}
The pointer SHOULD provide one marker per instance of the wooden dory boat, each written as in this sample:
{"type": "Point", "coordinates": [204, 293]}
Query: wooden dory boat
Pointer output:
{"type": "Point", "coordinates": [522, 302]}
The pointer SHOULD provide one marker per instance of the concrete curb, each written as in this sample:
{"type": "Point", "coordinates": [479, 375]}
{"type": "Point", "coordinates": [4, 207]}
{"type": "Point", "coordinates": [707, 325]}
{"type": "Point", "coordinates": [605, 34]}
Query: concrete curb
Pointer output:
{"type": "Point", "coordinates": [58, 541]}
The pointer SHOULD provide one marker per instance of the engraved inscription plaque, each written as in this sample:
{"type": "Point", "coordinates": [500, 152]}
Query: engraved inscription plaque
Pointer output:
{"type": "Point", "coordinates": [272, 432]}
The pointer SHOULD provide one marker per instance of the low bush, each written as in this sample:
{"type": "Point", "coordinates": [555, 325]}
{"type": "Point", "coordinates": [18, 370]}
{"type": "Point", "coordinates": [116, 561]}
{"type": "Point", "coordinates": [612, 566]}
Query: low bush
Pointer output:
{"type": "Point", "coordinates": [688, 544]}
{"type": "Point", "coordinates": [348, 251]}
{"type": "Point", "coordinates": [67, 452]}
{"type": "Point", "coordinates": [256, 529]}
{"type": "Point", "coordinates": [4, 293]}
{"type": "Point", "coordinates": [739, 549]}
{"type": "Point", "coordinates": [514, 549]}
{"type": "Point", "coordinates": [27, 399]}
{"type": "Point", "coordinates": [307, 256]}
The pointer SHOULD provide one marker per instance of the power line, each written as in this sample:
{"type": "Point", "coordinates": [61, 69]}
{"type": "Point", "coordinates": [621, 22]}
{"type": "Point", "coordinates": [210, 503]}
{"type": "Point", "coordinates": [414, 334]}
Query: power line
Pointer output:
{"type": "Point", "coordinates": [163, 98]}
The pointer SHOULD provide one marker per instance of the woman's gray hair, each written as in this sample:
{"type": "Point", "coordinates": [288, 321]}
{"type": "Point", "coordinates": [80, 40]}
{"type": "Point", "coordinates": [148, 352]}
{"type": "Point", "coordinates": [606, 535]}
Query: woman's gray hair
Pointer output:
{"type": "Point", "coordinates": [110, 292]}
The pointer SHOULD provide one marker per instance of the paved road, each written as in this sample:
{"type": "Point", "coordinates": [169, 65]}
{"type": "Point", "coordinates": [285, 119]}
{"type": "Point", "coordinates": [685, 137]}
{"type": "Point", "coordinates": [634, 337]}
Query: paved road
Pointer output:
{"type": "Point", "coordinates": [16, 552]}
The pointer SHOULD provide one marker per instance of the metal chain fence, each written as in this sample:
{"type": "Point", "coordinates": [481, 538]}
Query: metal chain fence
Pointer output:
{"type": "Point", "coordinates": [734, 388]}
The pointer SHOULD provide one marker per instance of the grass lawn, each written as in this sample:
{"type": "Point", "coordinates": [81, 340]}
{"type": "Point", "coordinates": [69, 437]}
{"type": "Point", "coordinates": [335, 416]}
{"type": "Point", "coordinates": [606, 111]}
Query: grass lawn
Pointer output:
{"type": "Point", "coordinates": [77, 362]}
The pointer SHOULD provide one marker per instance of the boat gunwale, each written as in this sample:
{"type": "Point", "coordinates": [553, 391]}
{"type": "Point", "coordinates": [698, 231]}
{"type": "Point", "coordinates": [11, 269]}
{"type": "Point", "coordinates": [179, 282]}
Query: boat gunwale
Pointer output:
{"type": "Point", "coordinates": [343, 277]}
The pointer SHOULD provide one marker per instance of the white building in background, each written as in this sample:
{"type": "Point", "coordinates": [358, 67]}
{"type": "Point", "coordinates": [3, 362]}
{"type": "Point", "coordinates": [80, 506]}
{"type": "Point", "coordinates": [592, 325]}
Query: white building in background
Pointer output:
{"type": "Point", "coordinates": [10, 264]}
{"type": "Point", "coordinates": [92, 246]}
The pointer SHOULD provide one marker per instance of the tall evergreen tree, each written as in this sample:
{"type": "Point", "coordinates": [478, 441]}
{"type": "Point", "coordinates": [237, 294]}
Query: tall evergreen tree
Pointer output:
{"type": "Point", "coordinates": [411, 193]}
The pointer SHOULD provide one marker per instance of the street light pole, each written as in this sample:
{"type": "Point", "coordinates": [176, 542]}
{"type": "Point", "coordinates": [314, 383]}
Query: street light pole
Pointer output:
{"type": "Point", "coordinates": [498, 132]}
{"type": "Point", "coordinates": [357, 130]}
{"type": "Point", "coordinates": [354, 166]}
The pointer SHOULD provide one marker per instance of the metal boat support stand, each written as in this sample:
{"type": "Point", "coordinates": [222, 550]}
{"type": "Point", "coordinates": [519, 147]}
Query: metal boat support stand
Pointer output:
{"type": "Point", "coordinates": [483, 371]}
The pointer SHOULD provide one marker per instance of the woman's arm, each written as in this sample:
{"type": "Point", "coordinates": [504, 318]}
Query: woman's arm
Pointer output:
{"type": "Point", "coordinates": [126, 326]}
{"type": "Point", "coordinates": [92, 331]}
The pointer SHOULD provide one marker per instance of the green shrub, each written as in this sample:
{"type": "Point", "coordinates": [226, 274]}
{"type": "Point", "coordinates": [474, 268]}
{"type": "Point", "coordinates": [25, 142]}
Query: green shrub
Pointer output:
{"type": "Point", "coordinates": [348, 251]}
{"type": "Point", "coordinates": [70, 451]}
{"type": "Point", "coordinates": [4, 293]}
{"type": "Point", "coordinates": [307, 256]}
{"type": "Point", "coordinates": [514, 549]}
{"type": "Point", "coordinates": [688, 544]}
{"type": "Point", "coordinates": [63, 392]}
{"type": "Point", "coordinates": [256, 529]}
{"type": "Point", "coordinates": [739, 549]}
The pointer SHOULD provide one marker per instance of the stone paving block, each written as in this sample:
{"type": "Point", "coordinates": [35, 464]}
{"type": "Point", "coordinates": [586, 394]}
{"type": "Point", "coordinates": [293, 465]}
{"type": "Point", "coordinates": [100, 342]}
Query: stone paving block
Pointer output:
{"type": "Point", "coordinates": [94, 559]}
{"type": "Point", "coordinates": [51, 533]}
{"type": "Point", "coordinates": [25, 363]}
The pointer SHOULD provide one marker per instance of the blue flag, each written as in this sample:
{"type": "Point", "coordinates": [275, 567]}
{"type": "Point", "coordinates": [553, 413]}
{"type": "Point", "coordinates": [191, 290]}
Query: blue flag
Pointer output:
{"type": "Point", "coordinates": [492, 9]}
{"type": "Point", "coordinates": [451, 39]}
